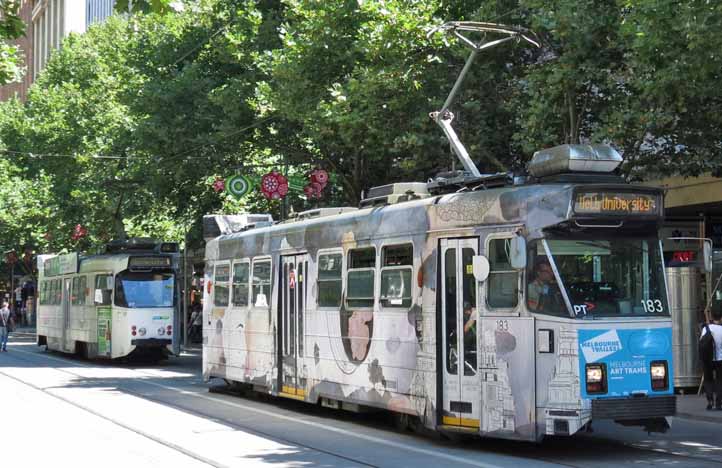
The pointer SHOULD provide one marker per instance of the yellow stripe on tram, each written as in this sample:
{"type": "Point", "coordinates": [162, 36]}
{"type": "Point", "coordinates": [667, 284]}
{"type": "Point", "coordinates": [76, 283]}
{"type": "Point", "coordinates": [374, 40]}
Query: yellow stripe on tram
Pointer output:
{"type": "Point", "coordinates": [293, 392]}
{"type": "Point", "coordinates": [463, 422]}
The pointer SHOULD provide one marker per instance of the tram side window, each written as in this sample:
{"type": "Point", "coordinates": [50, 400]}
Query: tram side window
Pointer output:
{"type": "Point", "coordinates": [360, 278]}
{"type": "Point", "coordinates": [396, 272]}
{"type": "Point", "coordinates": [240, 284]}
{"type": "Point", "coordinates": [50, 297]}
{"type": "Point", "coordinates": [329, 280]}
{"type": "Point", "coordinates": [220, 279]}
{"type": "Point", "coordinates": [43, 288]}
{"type": "Point", "coordinates": [74, 291]}
{"type": "Point", "coordinates": [103, 289]}
{"type": "Point", "coordinates": [57, 291]}
{"type": "Point", "coordinates": [261, 283]}
{"type": "Point", "coordinates": [77, 293]}
{"type": "Point", "coordinates": [82, 287]}
{"type": "Point", "coordinates": [502, 286]}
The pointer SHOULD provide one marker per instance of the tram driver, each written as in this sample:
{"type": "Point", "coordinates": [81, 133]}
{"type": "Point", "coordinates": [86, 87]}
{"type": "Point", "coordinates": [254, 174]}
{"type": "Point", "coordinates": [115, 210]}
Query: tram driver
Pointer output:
{"type": "Point", "coordinates": [543, 293]}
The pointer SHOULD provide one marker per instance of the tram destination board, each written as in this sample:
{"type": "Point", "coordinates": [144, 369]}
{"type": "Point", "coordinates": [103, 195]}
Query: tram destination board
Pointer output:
{"type": "Point", "coordinates": [617, 203]}
{"type": "Point", "coordinates": [149, 262]}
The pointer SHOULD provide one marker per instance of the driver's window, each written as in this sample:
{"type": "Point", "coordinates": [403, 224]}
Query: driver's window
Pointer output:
{"type": "Point", "coordinates": [542, 291]}
{"type": "Point", "coordinates": [103, 289]}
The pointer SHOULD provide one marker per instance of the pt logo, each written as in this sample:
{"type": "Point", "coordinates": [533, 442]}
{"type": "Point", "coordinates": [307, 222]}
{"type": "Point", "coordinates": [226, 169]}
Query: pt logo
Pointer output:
{"type": "Point", "coordinates": [601, 346]}
{"type": "Point", "coordinates": [583, 308]}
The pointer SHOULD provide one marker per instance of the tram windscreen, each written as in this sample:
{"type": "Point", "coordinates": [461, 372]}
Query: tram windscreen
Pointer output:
{"type": "Point", "coordinates": [601, 278]}
{"type": "Point", "coordinates": [136, 290]}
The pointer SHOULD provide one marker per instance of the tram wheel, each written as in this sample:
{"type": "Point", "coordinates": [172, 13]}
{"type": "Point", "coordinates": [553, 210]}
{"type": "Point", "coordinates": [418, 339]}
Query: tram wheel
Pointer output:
{"type": "Point", "coordinates": [401, 421]}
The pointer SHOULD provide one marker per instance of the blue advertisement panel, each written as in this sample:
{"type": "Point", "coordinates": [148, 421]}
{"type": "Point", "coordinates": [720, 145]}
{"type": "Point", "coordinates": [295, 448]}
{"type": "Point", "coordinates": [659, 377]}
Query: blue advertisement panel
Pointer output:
{"type": "Point", "coordinates": [627, 355]}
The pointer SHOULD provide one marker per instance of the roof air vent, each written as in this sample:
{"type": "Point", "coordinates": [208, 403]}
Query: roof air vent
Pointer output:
{"type": "Point", "coordinates": [216, 225]}
{"type": "Point", "coordinates": [574, 158]}
{"type": "Point", "coordinates": [394, 193]}
{"type": "Point", "coordinates": [322, 212]}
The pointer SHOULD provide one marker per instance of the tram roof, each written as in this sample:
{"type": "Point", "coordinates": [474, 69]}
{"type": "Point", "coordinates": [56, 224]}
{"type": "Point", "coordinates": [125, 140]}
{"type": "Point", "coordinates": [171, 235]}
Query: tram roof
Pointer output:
{"type": "Point", "coordinates": [533, 206]}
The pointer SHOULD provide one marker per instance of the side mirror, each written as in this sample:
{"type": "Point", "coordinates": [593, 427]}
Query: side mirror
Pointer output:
{"type": "Point", "coordinates": [481, 268]}
{"type": "Point", "coordinates": [707, 249]}
{"type": "Point", "coordinates": [517, 252]}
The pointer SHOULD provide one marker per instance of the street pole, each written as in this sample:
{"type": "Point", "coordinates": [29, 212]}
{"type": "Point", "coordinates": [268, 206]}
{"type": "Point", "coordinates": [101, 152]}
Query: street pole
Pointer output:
{"type": "Point", "coordinates": [12, 288]}
{"type": "Point", "coordinates": [186, 296]}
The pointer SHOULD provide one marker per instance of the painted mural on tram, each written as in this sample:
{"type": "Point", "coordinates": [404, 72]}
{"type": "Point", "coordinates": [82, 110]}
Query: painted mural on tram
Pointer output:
{"type": "Point", "coordinates": [496, 305]}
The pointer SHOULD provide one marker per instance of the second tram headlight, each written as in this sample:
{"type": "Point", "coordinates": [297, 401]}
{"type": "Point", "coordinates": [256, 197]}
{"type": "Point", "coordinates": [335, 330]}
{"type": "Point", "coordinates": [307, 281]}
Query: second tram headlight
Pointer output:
{"type": "Point", "coordinates": [658, 372]}
{"type": "Point", "coordinates": [596, 378]}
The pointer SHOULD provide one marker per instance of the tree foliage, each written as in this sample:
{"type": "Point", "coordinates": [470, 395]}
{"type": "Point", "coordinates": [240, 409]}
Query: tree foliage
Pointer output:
{"type": "Point", "coordinates": [11, 27]}
{"type": "Point", "coordinates": [131, 123]}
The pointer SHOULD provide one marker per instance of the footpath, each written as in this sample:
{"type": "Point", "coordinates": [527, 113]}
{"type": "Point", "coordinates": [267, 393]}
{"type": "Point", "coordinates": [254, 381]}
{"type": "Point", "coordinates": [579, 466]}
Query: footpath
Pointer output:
{"type": "Point", "coordinates": [688, 406]}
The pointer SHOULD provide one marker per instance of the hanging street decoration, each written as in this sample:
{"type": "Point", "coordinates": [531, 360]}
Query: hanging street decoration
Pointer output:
{"type": "Point", "coordinates": [319, 179]}
{"type": "Point", "coordinates": [219, 185]}
{"type": "Point", "coordinates": [238, 186]}
{"type": "Point", "coordinates": [274, 186]}
{"type": "Point", "coordinates": [78, 232]}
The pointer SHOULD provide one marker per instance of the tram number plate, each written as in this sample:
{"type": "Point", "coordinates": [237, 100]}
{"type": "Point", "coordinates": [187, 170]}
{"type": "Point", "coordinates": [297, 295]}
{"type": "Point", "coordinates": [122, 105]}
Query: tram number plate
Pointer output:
{"type": "Point", "coordinates": [502, 325]}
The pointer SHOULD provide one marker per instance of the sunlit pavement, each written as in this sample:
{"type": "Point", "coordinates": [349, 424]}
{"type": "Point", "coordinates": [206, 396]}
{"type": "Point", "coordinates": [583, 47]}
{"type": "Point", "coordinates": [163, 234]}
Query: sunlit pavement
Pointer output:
{"type": "Point", "coordinates": [91, 414]}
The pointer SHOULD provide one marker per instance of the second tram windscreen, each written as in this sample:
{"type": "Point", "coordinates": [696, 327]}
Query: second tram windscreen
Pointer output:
{"type": "Point", "coordinates": [144, 289]}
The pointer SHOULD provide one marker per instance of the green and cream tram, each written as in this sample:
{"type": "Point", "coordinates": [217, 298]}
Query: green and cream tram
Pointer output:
{"type": "Point", "coordinates": [116, 304]}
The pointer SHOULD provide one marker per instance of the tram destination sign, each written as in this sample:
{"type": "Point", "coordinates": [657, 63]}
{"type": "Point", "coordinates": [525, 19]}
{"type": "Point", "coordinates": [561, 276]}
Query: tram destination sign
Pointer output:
{"type": "Point", "coordinates": [61, 265]}
{"type": "Point", "coordinates": [617, 203]}
{"type": "Point", "coordinates": [149, 262]}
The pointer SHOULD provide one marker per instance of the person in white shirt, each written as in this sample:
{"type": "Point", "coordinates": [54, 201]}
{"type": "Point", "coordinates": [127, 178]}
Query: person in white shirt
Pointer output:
{"type": "Point", "coordinates": [4, 325]}
{"type": "Point", "coordinates": [713, 383]}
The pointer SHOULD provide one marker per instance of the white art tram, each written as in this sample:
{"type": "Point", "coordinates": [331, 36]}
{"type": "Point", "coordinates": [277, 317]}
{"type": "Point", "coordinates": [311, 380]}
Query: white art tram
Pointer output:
{"type": "Point", "coordinates": [116, 304]}
{"type": "Point", "coordinates": [493, 305]}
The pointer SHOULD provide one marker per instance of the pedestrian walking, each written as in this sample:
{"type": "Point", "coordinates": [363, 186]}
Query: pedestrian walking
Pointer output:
{"type": "Point", "coordinates": [713, 367]}
{"type": "Point", "coordinates": [195, 333]}
{"type": "Point", "coordinates": [5, 319]}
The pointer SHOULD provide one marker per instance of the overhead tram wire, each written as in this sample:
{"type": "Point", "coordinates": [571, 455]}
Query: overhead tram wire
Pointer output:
{"type": "Point", "coordinates": [31, 154]}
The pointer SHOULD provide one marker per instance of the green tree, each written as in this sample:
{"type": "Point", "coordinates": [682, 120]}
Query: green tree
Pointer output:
{"type": "Point", "coordinates": [11, 27]}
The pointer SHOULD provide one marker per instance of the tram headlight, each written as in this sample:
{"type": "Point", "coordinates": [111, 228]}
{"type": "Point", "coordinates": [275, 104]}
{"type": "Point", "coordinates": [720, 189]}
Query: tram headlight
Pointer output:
{"type": "Point", "coordinates": [141, 331]}
{"type": "Point", "coordinates": [596, 378]}
{"type": "Point", "coordinates": [658, 372]}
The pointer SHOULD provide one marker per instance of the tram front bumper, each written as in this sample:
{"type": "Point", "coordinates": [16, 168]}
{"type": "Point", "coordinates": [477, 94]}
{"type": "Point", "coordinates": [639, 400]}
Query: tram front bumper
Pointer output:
{"type": "Point", "coordinates": [151, 342]}
{"type": "Point", "coordinates": [649, 412]}
{"type": "Point", "coordinates": [631, 408]}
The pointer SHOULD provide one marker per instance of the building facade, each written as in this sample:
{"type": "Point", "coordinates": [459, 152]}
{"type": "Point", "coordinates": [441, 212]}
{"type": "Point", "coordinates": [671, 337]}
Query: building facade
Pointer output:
{"type": "Point", "coordinates": [25, 44]}
{"type": "Point", "coordinates": [47, 23]}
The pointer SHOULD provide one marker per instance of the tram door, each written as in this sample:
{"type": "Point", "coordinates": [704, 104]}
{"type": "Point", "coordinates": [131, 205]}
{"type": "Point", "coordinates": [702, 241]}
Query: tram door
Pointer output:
{"type": "Point", "coordinates": [461, 394]}
{"type": "Point", "coordinates": [65, 309]}
{"type": "Point", "coordinates": [293, 305]}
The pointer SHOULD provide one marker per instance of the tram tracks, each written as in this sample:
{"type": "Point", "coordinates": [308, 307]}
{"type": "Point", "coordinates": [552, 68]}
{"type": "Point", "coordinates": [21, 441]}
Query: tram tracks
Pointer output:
{"type": "Point", "coordinates": [275, 437]}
